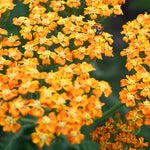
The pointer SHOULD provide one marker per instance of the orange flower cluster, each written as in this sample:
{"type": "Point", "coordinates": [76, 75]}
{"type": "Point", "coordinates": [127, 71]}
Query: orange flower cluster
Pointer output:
{"type": "Point", "coordinates": [118, 135]}
{"type": "Point", "coordinates": [48, 76]}
{"type": "Point", "coordinates": [103, 8]}
{"type": "Point", "coordinates": [136, 91]}
{"type": "Point", "coordinates": [40, 28]}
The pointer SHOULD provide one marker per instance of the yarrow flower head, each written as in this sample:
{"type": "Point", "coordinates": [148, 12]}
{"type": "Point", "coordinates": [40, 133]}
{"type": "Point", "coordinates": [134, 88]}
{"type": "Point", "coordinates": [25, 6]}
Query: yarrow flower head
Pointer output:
{"type": "Point", "coordinates": [115, 134]}
{"type": "Point", "coordinates": [135, 92]}
{"type": "Point", "coordinates": [46, 75]}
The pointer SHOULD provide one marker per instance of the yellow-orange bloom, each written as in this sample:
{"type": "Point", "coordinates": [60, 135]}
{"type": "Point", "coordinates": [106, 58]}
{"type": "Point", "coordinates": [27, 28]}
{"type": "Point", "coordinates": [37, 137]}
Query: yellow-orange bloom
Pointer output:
{"type": "Point", "coordinates": [9, 123]}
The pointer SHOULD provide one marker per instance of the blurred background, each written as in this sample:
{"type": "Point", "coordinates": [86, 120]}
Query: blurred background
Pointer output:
{"type": "Point", "coordinates": [109, 69]}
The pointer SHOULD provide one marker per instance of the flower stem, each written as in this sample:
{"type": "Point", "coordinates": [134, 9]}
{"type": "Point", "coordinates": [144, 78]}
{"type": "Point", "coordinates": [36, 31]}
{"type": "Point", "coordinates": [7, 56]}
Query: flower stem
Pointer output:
{"type": "Point", "coordinates": [96, 121]}
{"type": "Point", "coordinates": [4, 18]}
{"type": "Point", "coordinates": [109, 112]}
{"type": "Point", "coordinates": [27, 120]}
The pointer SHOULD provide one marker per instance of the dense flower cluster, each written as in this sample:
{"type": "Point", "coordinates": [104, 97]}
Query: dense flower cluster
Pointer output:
{"type": "Point", "coordinates": [117, 135]}
{"type": "Point", "coordinates": [103, 8]}
{"type": "Point", "coordinates": [136, 91]}
{"type": "Point", "coordinates": [48, 76]}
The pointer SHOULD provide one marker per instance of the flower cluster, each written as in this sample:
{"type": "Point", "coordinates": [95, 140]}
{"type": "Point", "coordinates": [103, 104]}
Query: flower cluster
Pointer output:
{"type": "Point", "coordinates": [136, 87]}
{"type": "Point", "coordinates": [47, 75]}
{"type": "Point", "coordinates": [118, 135]}
{"type": "Point", "coordinates": [103, 8]}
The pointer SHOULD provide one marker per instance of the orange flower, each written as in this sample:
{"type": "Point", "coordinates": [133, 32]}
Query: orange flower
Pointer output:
{"type": "Point", "coordinates": [57, 5]}
{"type": "Point", "coordinates": [14, 53]}
{"type": "Point", "coordinates": [79, 53]}
{"type": "Point", "coordinates": [9, 123]}
{"type": "Point", "coordinates": [41, 137]}
{"type": "Point", "coordinates": [28, 86]}
{"type": "Point", "coordinates": [131, 82]}
{"type": "Point", "coordinates": [11, 41]}
{"type": "Point", "coordinates": [62, 55]}
{"type": "Point", "coordinates": [18, 106]}
{"type": "Point", "coordinates": [80, 38]}
{"type": "Point", "coordinates": [46, 96]}
{"type": "Point", "coordinates": [102, 87]}
{"type": "Point", "coordinates": [63, 126]}
{"type": "Point", "coordinates": [61, 39]}
{"type": "Point", "coordinates": [73, 3]}
{"type": "Point", "coordinates": [128, 97]}
{"type": "Point", "coordinates": [8, 94]}
{"type": "Point", "coordinates": [75, 137]}
{"type": "Point", "coordinates": [140, 143]}
{"type": "Point", "coordinates": [26, 32]}
{"type": "Point", "coordinates": [144, 107]}
{"type": "Point", "coordinates": [36, 108]}
{"type": "Point", "coordinates": [134, 63]}
{"type": "Point", "coordinates": [135, 117]}
{"type": "Point", "coordinates": [48, 122]}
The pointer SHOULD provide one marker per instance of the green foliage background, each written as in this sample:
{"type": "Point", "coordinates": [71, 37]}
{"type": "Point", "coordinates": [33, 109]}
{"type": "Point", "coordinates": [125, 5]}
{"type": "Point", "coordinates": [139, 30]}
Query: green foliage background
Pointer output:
{"type": "Point", "coordinates": [108, 69]}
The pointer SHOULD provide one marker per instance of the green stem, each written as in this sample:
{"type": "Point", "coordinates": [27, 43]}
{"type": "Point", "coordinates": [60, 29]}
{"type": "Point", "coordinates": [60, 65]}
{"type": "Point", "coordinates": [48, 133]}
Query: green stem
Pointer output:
{"type": "Point", "coordinates": [109, 112]}
{"type": "Point", "coordinates": [96, 121]}
{"type": "Point", "coordinates": [4, 18]}
{"type": "Point", "coordinates": [27, 120]}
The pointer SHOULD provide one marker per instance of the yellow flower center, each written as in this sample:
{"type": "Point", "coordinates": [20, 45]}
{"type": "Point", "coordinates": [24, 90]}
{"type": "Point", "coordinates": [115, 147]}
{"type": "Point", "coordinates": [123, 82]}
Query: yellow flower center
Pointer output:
{"type": "Point", "coordinates": [26, 85]}
{"type": "Point", "coordinates": [147, 89]}
{"type": "Point", "coordinates": [46, 120]}
{"type": "Point", "coordinates": [60, 101]}
{"type": "Point", "coordinates": [145, 75]}
{"type": "Point", "coordinates": [36, 16]}
{"type": "Point", "coordinates": [86, 116]}
{"type": "Point", "coordinates": [6, 92]}
{"type": "Point", "coordinates": [130, 96]}
{"type": "Point", "coordinates": [12, 53]}
{"type": "Point", "coordinates": [63, 82]}
{"type": "Point", "coordinates": [98, 106]}
{"type": "Point", "coordinates": [146, 104]}
{"type": "Point", "coordinates": [47, 93]}
{"type": "Point", "coordinates": [130, 81]}
{"type": "Point", "coordinates": [12, 75]}
{"type": "Point", "coordinates": [42, 40]}
{"type": "Point", "coordinates": [74, 133]}
{"type": "Point", "coordinates": [81, 49]}
{"type": "Point", "coordinates": [72, 113]}
{"type": "Point", "coordinates": [11, 39]}
{"type": "Point", "coordinates": [18, 105]}
{"type": "Point", "coordinates": [27, 30]}
{"type": "Point", "coordinates": [68, 69]}
{"type": "Point", "coordinates": [136, 116]}
{"type": "Point", "coordinates": [133, 62]}
{"type": "Point", "coordinates": [37, 104]}
{"type": "Point", "coordinates": [29, 48]}
{"type": "Point", "coordinates": [62, 54]}
{"type": "Point", "coordinates": [61, 124]}
{"type": "Point", "coordinates": [10, 120]}
{"type": "Point", "coordinates": [89, 82]}
{"type": "Point", "coordinates": [102, 87]}
{"type": "Point", "coordinates": [51, 75]}
{"type": "Point", "coordinates": [2, 60]}
{"type": "Point", "coordinates": [61, 37]}
{"type": "Point", "coordinates": [78, 99]}
{"type": "Point", "coordinates": [46, 53]}
{"type": "Point", "coordinates": [43, 137]}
